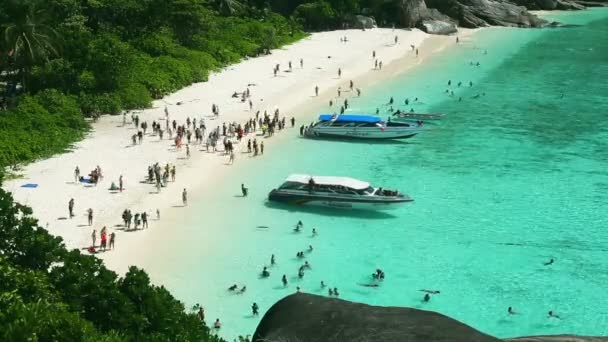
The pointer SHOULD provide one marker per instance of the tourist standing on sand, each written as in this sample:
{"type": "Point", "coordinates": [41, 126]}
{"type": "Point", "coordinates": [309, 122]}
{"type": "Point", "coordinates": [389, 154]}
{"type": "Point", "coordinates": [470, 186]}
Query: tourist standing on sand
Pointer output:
{"type": "Point", "coordinates": [90, 216]}
{"type": "Point", "coordinates": [185, 197]}
{"type": "Point", "coordinates": [231, 161]}
{"type": "Point", "coordinates": [416, 52]}
{"type": "Point", "coordinates": [188, 151]}
{"type": "Point", "coordinates": [339, 72]}
{"type": "Point", "coordinates": [76, 175]}
{"type": "Point", "coordinates": [120, 183]}
{"type": "Point", "coordinates": [94, 237]}
{"type": "Point", "coordinates": [316, 90]}
{"type": "Point", "coordinates": [104, 239]}
{"type": "Point", "coordinates": [71, 207]}
{"type": "Point", "coordinates": [112, 237]}
{"type": "Point", "coordinates": [144, 220]}
{"type": "Point", "coordinates": [262, 147]}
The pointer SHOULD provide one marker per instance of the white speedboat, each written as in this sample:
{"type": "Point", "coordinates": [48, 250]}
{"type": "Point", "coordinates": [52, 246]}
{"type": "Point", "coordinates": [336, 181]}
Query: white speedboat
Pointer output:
{"type": "Point", "coordinates": [335, 192]}
{"type": "Point", "coordinates": [361, 127]}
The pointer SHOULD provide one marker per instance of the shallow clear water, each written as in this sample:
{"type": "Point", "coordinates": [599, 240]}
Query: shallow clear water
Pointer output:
{"type": "Point", "coordinates": [507, 181]}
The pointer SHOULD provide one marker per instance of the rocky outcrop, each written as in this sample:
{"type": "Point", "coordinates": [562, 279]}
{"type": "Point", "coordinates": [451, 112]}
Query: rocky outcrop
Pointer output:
{"type": "Point", "coordinates": [309, 318]}
{"type": "Point", "coordinates": [437, 16]}
{"type": "Point", "coordinates": [479, 13]}
{"type": "Point", "coordinates": [568, 5]}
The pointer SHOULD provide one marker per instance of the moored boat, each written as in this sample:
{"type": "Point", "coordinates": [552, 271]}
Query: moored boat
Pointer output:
{"type": "Point", "coordinates": [335, 192]}
{"type": "Point", "coordinates": [360, 126]}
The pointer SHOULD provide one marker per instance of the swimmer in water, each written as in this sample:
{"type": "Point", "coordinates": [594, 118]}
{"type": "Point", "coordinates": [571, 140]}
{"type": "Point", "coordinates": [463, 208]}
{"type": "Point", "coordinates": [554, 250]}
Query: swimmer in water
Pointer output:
{"type": "Point", "coordinates": [553, 315]}
{"type": "Point", "coordinates": [331, 292]}
{"type": "Point", "coordinates": [431, 291]}
{"type": "Point", "coordinates": [265, 272]}
{"type": "Point", "coordinates": [272, 261]}
{"type": "Point", "coordinates": [369, 285]}
{"type": "Point", "coordinates": [511, 311]}
{"type": "Point", "coordinates": [232, 288]}
{"type": "Point", "coordinates": [323, 284]}
{"type": "Point", "coordinates": [284, 280]}
{"type": "Point", "coordinates": [309, 248]}
{"type": "Point", "coordinates": [314, 232]}
{"type": "Point", "coordinates": [336, 292]}
{"type": "Point", "coordinates": [243, 289]}
{"type": "Point", "coordinates": [427, 297]}
{"type": "Point", "coordinates": [550, 262]}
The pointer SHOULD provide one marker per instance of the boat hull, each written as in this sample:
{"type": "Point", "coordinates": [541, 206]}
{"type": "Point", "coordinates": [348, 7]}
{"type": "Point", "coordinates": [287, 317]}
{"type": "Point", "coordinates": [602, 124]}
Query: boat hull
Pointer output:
{"type": "Point", "coordinates": [321, 200]}
{"type": "Point", "coordinates": [363, 133]}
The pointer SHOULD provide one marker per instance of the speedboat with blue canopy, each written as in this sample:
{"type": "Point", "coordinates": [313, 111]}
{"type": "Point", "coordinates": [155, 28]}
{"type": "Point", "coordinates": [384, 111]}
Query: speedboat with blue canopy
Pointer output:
{"type": "Point", "coordinates": [361, 126]}
{"type": "Point", "coordinates": [336, 192]}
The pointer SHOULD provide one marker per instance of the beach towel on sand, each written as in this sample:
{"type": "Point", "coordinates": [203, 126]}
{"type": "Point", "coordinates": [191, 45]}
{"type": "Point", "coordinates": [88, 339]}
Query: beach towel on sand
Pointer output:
{"type": "Point", "coordinates": [29, 185]}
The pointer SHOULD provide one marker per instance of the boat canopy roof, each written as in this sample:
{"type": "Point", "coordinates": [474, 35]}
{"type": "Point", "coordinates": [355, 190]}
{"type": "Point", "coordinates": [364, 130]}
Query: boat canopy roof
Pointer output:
{"type": "Point", "coordinates": [350, 118]}
{"type": "Point", "coordinates": [329, 180]}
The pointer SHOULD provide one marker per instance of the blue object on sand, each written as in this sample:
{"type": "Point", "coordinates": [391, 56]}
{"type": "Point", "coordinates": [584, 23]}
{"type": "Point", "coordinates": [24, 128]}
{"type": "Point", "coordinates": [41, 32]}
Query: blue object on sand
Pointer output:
{"type": "Point", "coordinates": [29, 185]}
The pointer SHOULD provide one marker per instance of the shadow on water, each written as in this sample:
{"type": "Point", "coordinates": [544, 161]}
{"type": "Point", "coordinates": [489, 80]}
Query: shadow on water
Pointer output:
{"type": "Point", "coordinates": [363, 141]}
{"type": "Point", "coordinates": [360, 214]}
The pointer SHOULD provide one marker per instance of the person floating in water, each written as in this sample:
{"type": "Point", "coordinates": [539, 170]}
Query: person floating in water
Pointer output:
{"type": "Point", "coordinates": [427, 297]}
{"type": "Point", "coordinates": [217, 324]}
{"type": "Point", "coordinates": [511, 311]}
{"type": "Point", "coordinates": [550, 262]}
{"type": "Point", "coordinates": [553, 315]}
{"type": "Point", "coordinates": [431, 291]}
{"type": "Point", "coordinates": [314, 232]}
{"type": "Point", "coordinates": [369, 285]}
{"type": "Point", "coordinates": [265, 273]}
{"type": "Point", "coordinates": [255, 309]}
{"type": "Point", "coordinates": [309, 248]}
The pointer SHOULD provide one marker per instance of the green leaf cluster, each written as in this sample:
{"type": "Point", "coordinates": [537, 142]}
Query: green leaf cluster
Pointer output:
{"type": "Point", "coordinates": [48, 293]}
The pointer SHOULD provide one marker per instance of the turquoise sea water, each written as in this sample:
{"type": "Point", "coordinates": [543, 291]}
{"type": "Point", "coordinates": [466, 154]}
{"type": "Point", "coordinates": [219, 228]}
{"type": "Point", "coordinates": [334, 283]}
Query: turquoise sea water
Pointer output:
{"type": "Point", "coordinates": [507, 181]}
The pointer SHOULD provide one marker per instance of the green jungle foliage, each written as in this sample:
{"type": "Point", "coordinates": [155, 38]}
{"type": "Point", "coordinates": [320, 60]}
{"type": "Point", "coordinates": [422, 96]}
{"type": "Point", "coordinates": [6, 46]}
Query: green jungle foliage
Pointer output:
{"type": "Point", "coordinates": [64, 60]}
{"type": "Point", "coordinates": [48, 293]}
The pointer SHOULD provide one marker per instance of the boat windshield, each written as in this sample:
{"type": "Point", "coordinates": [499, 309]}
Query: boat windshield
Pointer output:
{"type": "Point", "coordinates": [337, 189]}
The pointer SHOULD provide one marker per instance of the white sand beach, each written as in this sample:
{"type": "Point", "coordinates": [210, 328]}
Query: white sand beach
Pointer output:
{"type": "Point", "coordinates": [109, 143]}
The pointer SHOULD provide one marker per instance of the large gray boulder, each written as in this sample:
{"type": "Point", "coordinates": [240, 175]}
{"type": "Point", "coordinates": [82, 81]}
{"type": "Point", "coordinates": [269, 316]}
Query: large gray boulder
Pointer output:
{"type": "Point", "coordinates": [309, 318]}
{"type": "Point", "coordinates": [363, 22]}
{"type": "Point", "coordinates": [411, 12]}
{"type": "Point", "coordinates": [437, 27]}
